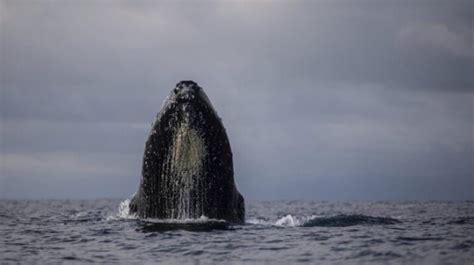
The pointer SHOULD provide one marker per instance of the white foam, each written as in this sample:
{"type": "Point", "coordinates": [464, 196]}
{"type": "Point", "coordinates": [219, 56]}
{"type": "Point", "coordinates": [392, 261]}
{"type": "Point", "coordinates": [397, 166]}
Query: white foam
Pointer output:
{"type": "Point", "coordinates": [123, 212]}
{"type": "Point", "coordinates": [288, 220]}
{"type": "Point", "coordinates": [285, 221]}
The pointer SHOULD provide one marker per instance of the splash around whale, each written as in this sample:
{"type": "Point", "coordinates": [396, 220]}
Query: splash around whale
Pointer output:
{"type": "Point", "coordinates": [187, 167]}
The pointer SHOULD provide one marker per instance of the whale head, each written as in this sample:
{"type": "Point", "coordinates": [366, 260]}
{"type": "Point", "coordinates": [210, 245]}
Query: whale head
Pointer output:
{"type": "Point", "coordinates": [187, 167]}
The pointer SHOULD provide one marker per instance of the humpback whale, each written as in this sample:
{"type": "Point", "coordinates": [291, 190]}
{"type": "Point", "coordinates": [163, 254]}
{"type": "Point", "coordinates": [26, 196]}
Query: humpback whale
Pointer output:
{"type": "Point", "coordinates": [187, 169]}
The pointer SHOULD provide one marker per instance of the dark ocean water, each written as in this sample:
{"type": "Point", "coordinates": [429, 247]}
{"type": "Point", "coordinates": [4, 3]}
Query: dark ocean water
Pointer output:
{"type": "Point", "coordinates": [282, 232]}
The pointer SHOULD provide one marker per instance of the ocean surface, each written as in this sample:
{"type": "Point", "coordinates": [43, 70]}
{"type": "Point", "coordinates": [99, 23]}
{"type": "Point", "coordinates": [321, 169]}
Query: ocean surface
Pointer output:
{"type": "Point", "coordinates": [277, 232]}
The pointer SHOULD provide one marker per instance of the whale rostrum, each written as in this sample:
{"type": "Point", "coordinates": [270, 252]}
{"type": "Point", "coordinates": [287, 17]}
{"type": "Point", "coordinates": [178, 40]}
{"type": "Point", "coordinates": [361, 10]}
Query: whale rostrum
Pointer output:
{"type": "Point", "coordinates": [187, 167]}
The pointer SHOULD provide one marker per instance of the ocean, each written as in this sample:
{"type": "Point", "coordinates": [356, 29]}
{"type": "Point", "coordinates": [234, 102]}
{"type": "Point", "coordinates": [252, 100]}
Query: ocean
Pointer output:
{"type": "Point", "coordinates": [275, 232]}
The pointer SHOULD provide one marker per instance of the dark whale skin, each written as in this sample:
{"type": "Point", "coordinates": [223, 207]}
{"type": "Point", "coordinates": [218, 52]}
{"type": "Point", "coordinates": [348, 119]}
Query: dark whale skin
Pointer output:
{"type": "Point", "coordinates": [187, 164]}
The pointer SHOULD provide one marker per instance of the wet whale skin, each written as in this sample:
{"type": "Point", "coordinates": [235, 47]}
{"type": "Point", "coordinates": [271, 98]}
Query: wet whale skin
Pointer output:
{"type": "Point", "coordinates": [187, 167]}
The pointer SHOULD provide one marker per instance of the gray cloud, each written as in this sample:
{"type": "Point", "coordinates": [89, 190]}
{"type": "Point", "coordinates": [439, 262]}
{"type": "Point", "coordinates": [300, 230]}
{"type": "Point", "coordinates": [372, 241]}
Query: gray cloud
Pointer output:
{"type": "Point", "coordinates": [439, 36]}
{"type": "Point", "coordinates": [313, 94]}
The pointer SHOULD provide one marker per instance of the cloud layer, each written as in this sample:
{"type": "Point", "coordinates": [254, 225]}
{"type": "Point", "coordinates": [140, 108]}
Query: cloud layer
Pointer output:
{"type": "Point", "coordinates": [321, 100]}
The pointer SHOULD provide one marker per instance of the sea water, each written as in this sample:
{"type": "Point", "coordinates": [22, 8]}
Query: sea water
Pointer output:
{"type": "Point", "coordinates": [275, 232]}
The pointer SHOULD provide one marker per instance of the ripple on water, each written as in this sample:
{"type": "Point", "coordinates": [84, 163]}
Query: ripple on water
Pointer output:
{"type": "Point", "coordinates": [349, 220]}
{"type": "Point", "coordinates": [407, 238]}
{"type": "Point", "coordinates": [462, 220]}
{"type": "Point", "coordinates": [315, 232]}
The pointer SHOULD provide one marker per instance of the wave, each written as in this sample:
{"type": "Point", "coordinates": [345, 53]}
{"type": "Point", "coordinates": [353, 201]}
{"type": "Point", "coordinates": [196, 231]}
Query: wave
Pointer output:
{"type": "Point", "coordinates": [342, 220]}
{"type": "Point", "coordinates": [466, 220]}
{"type": "Point", "coordinates": [204, 224]}
{"type": "Point", "coordinates": [350, 220]}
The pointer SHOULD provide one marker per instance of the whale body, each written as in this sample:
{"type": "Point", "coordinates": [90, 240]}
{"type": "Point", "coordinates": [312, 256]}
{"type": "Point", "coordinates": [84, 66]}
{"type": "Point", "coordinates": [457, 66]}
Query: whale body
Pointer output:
{"type": "Point", "coordinates": [187, 167]}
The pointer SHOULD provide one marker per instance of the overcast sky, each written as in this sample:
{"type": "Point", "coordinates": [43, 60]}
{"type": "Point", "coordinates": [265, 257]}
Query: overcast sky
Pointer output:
{"type": "Point", "coordinates": [322, 100]}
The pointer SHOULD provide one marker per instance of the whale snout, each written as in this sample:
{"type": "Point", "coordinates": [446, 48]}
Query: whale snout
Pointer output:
{"type": "Point", "coordinates": [187, 97]}
{"type": "Point", "coordinates": [187, 90]}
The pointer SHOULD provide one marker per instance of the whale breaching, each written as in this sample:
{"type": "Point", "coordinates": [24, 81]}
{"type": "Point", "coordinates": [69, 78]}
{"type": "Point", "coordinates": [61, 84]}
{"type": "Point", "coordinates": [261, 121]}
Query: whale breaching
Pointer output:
{"type": "Point", "coordinates": [187, 167]}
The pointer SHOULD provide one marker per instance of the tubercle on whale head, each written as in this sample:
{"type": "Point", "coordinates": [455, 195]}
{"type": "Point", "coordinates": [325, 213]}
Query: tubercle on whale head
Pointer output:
{"type": "Point", "coordinates": [185, 92]}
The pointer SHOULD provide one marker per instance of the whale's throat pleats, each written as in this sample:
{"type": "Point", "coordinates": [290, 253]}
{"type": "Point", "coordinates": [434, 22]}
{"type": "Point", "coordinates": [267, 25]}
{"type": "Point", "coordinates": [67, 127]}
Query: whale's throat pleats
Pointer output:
{"type": "Point", "coordinates": [187, 154]}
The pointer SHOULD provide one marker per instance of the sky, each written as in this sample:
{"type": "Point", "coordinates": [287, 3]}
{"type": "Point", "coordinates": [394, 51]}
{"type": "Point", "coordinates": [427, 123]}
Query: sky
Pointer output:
{"type": "Point", "coordinates": [321, 100]}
